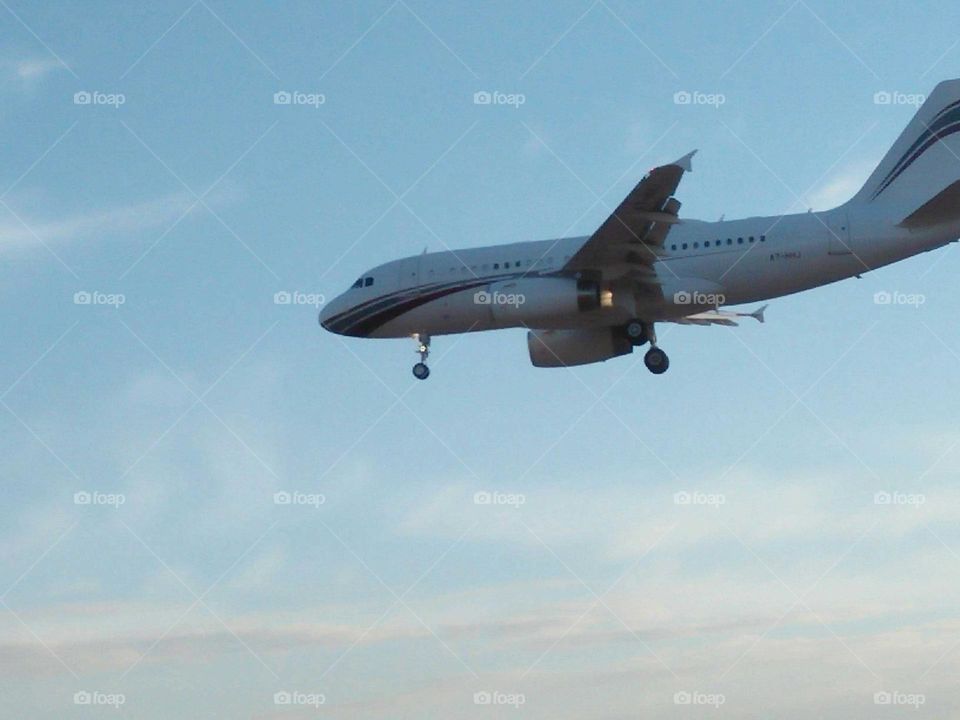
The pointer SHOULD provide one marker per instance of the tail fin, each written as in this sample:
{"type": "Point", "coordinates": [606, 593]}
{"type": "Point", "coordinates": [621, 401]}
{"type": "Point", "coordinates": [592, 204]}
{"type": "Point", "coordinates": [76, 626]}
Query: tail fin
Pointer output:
{"type": "Point", "coordinates": [919, 178]}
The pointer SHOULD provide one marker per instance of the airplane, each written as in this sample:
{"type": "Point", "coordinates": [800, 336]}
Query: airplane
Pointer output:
{"type": "Point", "coordinates": [589, 299]}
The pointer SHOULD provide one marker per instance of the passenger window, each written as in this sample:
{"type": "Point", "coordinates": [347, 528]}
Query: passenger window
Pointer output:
{"type": "Point", "coordinates": [673, 247]}
{"type": "Point", "coordinates": [684, 246]}
{"type": "Point", "coordinates": [763, 238]}
{"type": "Point", "coordinates": [751, 238]}
{"type": "Point", "coordinates": [496, 266]}
{"type": "Point", "coordinates": [368, 282]}
{"type": "Point", "coordinates": [739, 241]}
{"type": "Point", "coordinates": [729, 241]}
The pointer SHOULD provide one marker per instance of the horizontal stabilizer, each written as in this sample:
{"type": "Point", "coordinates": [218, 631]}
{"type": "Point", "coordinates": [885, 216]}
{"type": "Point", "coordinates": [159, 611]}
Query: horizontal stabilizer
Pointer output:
{"type": "Point", "coordinates": [720, 317]}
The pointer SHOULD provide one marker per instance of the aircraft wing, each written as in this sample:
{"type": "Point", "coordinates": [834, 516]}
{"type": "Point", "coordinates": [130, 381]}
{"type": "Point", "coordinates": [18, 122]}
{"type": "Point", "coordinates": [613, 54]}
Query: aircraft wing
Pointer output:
{"type": "Point", "coordinates": [630, 240]}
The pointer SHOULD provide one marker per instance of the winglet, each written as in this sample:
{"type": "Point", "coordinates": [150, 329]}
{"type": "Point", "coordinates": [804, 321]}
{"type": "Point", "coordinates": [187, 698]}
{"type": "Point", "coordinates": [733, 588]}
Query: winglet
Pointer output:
{"type": "Point", "coordinates": [684, 162]}
{"type": "Point", "coordinates": [758, 313]}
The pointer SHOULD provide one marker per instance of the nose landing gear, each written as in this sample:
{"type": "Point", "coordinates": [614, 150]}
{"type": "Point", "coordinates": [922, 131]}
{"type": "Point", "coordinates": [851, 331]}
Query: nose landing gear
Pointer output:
{"type": "Point", "coordinates": [420, 370]}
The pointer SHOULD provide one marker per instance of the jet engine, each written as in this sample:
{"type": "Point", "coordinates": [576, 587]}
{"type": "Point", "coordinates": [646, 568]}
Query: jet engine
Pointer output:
{"type": "Point", "coordinates": [532, 300]}
{"type": "Point", "coordinates": [563, 348]}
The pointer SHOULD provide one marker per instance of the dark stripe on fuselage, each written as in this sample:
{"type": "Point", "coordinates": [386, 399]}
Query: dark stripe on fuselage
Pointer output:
{"type": "Point", "coordinates": [377, 318]}
{"type": "Point", "coordinates": [363, 319]}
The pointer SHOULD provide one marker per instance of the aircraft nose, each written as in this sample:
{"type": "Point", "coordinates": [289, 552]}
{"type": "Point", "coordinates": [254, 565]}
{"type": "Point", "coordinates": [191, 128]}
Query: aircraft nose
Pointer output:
{"type": "Point", "coordinates": [325, 314]}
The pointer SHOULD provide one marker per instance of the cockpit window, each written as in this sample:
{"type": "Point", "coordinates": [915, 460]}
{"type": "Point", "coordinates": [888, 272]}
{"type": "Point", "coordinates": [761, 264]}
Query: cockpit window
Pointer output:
{"type": "Point", "coordinates": [358, 283]}
{"type": "Point", "coordinates": [368, 282]}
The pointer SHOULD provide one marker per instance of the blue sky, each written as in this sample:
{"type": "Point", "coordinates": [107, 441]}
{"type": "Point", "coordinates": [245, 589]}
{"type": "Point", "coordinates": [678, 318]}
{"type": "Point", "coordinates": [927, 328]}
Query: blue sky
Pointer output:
{"type": "Point", "coordinates": [183, 398]}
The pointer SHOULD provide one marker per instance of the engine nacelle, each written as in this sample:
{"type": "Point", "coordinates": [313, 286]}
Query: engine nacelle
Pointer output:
{"type": "Point", "coordinates": [563, 348]}
{"type": "Point", "coordinates": [531, 300]}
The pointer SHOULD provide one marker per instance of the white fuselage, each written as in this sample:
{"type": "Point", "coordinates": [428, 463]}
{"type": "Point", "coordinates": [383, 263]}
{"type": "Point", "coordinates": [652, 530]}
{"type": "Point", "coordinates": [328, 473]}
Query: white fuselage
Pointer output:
{"type": "Point", "coordinates": [702, 265]}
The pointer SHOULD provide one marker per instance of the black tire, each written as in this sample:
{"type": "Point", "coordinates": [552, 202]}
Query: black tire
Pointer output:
{"type": "Point", "coordinates": [636, 332]}
{"type": "Point", "coordinates": [656, 361]}
{"type": "Point", "coordinates": [421, 371]}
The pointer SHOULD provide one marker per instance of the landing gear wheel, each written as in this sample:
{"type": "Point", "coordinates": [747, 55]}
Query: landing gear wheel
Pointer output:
{"type": "Point", "coordinates": [636, 332]}
{"type": "Point", "coordinates": [656, 361]}
{"type": "Point", "coordinates": [421, 371]}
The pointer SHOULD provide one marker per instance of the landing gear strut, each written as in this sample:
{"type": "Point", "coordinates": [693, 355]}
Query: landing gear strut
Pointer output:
{"type": "Point", "coordinates": [640, 333]}
{"type": "Point", "coordinates": [420, 370]}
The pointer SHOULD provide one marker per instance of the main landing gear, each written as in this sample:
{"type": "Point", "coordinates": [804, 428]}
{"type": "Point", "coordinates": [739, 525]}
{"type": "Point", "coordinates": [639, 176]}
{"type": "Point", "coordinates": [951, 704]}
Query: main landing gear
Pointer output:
{"type": "Point", "coordinates": [640, 333]}
{"type": "Point", "coordinates": [420, 370]}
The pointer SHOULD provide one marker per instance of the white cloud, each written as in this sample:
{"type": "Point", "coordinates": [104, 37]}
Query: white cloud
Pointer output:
{"type": "Point", "coordinates": [839, 187]}
{"type": "Point", "coordinates": [92, 225]}
{"type": "Point", "coordinates": [35, 69]}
